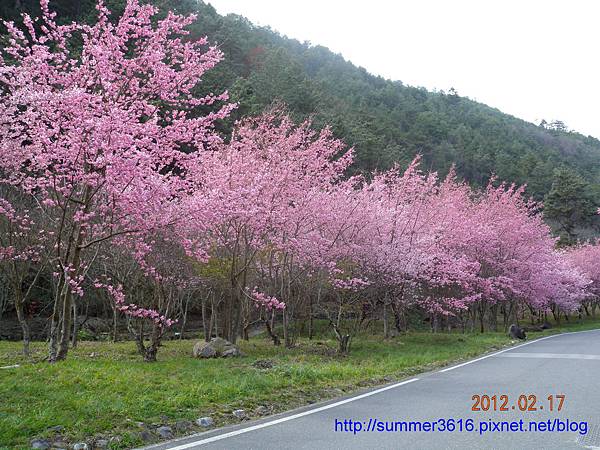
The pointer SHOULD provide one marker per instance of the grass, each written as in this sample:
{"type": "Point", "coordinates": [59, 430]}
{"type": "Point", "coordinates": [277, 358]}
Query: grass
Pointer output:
{"type": "Point", "coordinates": [104, 388]}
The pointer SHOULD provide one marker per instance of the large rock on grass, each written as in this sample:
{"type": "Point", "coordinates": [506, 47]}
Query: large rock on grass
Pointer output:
{"type": "Point", "coordinates": [216, 348]}
{"type": "Point", "coordinates": [516, 332]}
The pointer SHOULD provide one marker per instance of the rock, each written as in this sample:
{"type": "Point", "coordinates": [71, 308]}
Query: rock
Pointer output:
{"type": "Point", "coordinates": [516, 332]}
{"type": "Point", "coordinates": [240, 414]}
{"type": "Point", "coordinates": [40, 443]}
{"type": "Point", "coordinates": [234, 351]}
{"type": "Point", "coordinates": [204, 350]}
{"type": "Point", "coordinates": [545, 326]}
{"type": "Point", "coordinates": [262, 411]}
{"type": "Point", "coordinates": [101, 444]}
{"type": "Point", "coordinates": [60, 444]}
{"type": "Point", "coordinates": [205, 422]}
{"type": "Point", "coordinates": [80, 446]}
{"type": "Point", "coordinates": [140, 424]}
{"type": "Point", "coordinates": [116, 439]}
{"type": "Point", "coordinates": [217, 347]}
{"type": "Point", "coordinates": [57, 428]}
{"type": "Point", "coordinates": [165, 432]}
{"type": "Point", "coordinates": [145, 435]}
{"type": "Point", "coordinates": [183, 425]}
{"type": "Point", "coordinates": [263, 364]}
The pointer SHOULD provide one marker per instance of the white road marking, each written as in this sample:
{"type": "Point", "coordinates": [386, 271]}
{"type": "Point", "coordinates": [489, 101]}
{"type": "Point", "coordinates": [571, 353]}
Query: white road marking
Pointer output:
{"type": "Point", "coordinates": [448, 369]}
{"type": "Point", "coordinates": [550, 355]}
{"type": "Point", "coordinates": [287, 418]}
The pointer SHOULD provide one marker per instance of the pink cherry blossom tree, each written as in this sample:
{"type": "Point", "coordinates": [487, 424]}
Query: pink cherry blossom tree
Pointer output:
{"type": "Point", "coordinates": [585, 257]}
{"type": "Point", "coordinates": [104, 136]}
{"type": "Point", "coordinates": [23, 253]}
{"type": "Point", "coordinates": [255, 207]}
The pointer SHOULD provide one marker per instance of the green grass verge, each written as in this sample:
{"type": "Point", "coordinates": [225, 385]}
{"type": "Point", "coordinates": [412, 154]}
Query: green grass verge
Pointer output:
{"type": "Point", "coordinates": [104, 388]}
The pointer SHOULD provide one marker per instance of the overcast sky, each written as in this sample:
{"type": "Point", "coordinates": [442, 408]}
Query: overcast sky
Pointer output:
{"type": "Point", "coordinates": [533, 59]}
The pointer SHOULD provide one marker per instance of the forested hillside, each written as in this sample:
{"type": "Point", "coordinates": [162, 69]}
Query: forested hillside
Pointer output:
{"type": "Point", "coordinates": [386, 121]}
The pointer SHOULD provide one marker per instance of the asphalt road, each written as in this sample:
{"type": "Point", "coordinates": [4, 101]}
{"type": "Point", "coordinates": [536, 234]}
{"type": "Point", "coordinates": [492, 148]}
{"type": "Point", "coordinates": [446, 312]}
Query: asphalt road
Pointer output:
{"type": "Point", "coordinates": [567, 364]}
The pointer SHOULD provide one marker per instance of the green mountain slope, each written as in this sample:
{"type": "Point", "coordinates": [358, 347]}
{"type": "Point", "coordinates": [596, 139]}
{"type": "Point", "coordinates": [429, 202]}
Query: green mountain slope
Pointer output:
{"type": "Point", "coordinates": [386, 121]}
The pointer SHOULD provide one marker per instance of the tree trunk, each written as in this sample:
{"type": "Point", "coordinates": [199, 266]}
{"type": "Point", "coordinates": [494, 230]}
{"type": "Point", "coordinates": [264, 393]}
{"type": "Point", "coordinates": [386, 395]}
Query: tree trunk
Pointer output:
{"type": "Point", "coordinates": [235, 326]}
{"type": "Point", "coordinates": [344, 344]}
{"type": "Point", "coordinates": [206, 323]}
{"type": "Point", "coordinates": [386, 331]}
{"type": "Point", "coordinates": [152, 349]}
{"type": "Point", "coordinates": [311, 326]}
{"type": "Point", "coordinates": [435, 323]}
{"type": "Point", "coordinates": [286, 332]}
{"type": "Point", "coordinates": [481, 317]}
{"type": "Point", "coordinates": [75, 326]}
{"type": "Point", "coordinates": [397, 317]}
{"type": "Point", "coordinates": [494, 317]}
{"type": "Point", "coordinates": [213, 321]}
{"type": "Point", "coordinates": [556, 313]}
{"type": "Point", "coordinates": [56, 321]}
{"type": "Point", "coordinates": [139, 339]}
{"type": "Point", "coordinates": [185, 313]}
{"type": "Point", "coordinates": [246, 331]}
{"type": "Point", "coordinates": [74, 263]}
{"type": "Point", "coordinates": [271, 333]}
{"type": "Point", "coordinates": [343, 339]}
{"type": "Point", "coordinates": [65, 329]}
{"type": "Point", "coordinates": [513, 314]}
{"type": "Point", "coordinates": [22, 320]}
{"type": "Point", "coordinates": [115, 323]}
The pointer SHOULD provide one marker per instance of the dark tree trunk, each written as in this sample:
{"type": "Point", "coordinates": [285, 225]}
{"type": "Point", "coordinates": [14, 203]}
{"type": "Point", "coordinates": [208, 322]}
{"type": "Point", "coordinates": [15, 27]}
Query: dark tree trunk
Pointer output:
{"type": "Point", "coordinates": [344, 344]}
{"type": "Point", "coordinates": [56, 321]}
{"type": "Point", "coordinates": [115, 323]}
{"type": "Point", "coordinates": [22, 320]}
{"type": "Point", "coordinates": [75, 326]}
{"type": "Point", "coordinates": [286, 329]}
{"type": "Point", "coordinates": [271, 333]}
{"type": "Point", "coordinates": [481, 317]}
{"type": "Point", "coordinates": [343, 339]}
{"type": "Point", "coordinates": [65, 329]}
{"type": "Point", "coordinates": [397, 317]}
{"type": "Point", "coordinates": [206, 322]}
{"type": "Point", "coordinates": [494, 317]}
{"type": "Point", "coordinates": [152, 349]}
{"type": "Point", "coordinates": [386, 331]}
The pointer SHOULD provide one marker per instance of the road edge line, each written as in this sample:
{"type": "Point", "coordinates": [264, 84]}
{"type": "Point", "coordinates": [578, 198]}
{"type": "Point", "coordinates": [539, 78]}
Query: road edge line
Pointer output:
{"type": "Point", "coordinates": [288, 418]}
{"type": "Point", "coordinates": [448, 369]}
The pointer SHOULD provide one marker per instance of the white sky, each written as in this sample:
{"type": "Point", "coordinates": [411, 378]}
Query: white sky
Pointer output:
{"type": "Point", "coordinates": [531, 58]}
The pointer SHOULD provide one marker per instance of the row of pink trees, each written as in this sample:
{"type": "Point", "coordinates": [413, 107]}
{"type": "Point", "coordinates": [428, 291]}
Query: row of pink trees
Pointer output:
{"type": "Point", "coordinates": [275, 205]}
{"type": "Point", "coordinates": [114, 180]}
